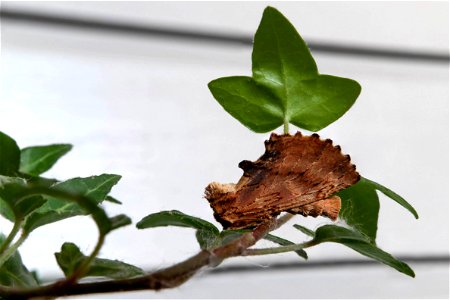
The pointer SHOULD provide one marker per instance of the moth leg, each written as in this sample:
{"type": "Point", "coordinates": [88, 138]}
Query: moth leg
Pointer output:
{"type": "Point", "coordinates": [328, 208]}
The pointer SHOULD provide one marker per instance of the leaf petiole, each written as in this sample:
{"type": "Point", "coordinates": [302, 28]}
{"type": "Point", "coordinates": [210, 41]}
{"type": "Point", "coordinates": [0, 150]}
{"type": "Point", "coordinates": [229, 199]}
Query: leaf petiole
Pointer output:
{"type": "Point", "coordinates": [11, 250]}
{"type": "Point", "coordinates": [10, 237]}
{"type": "Point", "coordinates": [286, 127]}
{"type": "Point", "coordinates": [282, 249]}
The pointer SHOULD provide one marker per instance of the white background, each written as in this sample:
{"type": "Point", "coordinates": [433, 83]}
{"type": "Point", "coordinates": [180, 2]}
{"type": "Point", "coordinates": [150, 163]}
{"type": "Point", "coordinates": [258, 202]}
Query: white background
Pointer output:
{"type": "Point", "coordinates": [140, 107]}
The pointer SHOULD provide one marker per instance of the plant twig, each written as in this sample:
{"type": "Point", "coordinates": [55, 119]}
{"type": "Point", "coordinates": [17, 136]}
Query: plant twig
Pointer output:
{"type": "Point", "coordinates": [166, 278]}
{"type": "Point", "coordinates": [283, 220]}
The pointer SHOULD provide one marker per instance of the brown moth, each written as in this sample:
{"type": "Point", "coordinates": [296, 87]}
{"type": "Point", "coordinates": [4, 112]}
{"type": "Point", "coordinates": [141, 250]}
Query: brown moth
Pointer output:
{"type": "Point", "coordinates": [296, 174]}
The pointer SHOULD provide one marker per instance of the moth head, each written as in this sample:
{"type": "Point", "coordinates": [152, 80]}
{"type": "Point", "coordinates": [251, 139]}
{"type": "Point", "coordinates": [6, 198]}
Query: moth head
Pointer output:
{"type": "Point", "coordinates": [216, 191]}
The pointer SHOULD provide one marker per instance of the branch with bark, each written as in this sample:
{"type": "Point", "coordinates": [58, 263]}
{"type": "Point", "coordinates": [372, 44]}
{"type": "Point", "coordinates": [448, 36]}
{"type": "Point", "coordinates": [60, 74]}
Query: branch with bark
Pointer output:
{"type": "Point", "coordinates": [163, 279]}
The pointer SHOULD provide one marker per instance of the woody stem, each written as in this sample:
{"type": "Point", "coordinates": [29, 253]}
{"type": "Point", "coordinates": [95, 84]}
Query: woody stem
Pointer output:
{"type": "Point", "coordinates": [166, 278]}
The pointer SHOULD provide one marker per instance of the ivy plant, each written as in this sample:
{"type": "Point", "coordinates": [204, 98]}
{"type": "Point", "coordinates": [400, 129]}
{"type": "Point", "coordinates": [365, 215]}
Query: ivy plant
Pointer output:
{"type": "Point", "coordinates": [285, 88]}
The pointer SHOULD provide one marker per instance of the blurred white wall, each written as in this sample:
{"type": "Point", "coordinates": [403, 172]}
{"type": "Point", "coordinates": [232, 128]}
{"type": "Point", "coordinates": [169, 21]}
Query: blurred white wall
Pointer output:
{"type": "Point", "coordinates": [140, 107]}
{"type": "Point", "coordinates": [409, 24]}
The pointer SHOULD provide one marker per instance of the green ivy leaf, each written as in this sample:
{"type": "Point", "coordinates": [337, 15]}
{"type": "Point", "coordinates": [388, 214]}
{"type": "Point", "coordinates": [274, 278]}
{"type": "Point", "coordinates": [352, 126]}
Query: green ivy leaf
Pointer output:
{"type": "Point", "coordinates": [394, 196]}
{"type": "Point", "coordinates": [94, 187]}
{"type": "Point", "coordinates": [175, 218]}
{"type": "Point", "coordinates": [54, 209]}
{"type": "Point", "coordinates": [249, 103]}
{"type": "Point", "coordinates": [360, 207]}
{"type": "Point", "coordinates": [359, 243]}
{"type": "Point", "coordinates": [13, 273]}
{"type": "Point", "coordinates": [7, 197]}
{"type": "Point", "coordinates": [38, 180]}
{"type": "Point", "coordinates": [112, 200]}
{"type": "Point", "coordinates": [9, 155]}
{"type": "Point", "coordinates": [284, 242]}
{"type": "Point", "coordinates": [16, 202]}
{"type": "Point", "coordinates": [305, 230]}
{"type": "Point", "coordinates": [286, 86]}
{"type": "Point", "coordinates": [333, 233]}
{"type": "Point", "coordinates": [207, 234]}
{"type": "Point", "coordinates": [316, 103]}
{"type": "Point", "coordinates": [6, 211]}
{"type": "Point", "coordinates": [38, 159]}
{"type": "Point", "coordinates": [120, 221]}
{"type": "Point", "coordinates": [280, 56]}
{"type": "Point", "coordinates": [207, 239]}
{"type": "Point", "coordinates": [70, 258]}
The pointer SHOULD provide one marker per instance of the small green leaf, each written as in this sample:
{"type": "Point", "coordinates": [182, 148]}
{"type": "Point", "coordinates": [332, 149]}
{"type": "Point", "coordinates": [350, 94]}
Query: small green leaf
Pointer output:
{"type": "Point", "coordinates": [286, 86]}
{"type": "Point", "coordinates": [6, 211]}
{"type": "Point", "coordinates": [38, 159]}
{"type": "Point", "coordinates": [175, 218]}
{"type": "Point", "coordinates": [119, 221]}
{"type": "Point", "coordinates": [36, 277]}
{"type": "Point", "coordinates": [360, 207]}
{"type": "Point", "coordinates": [280, 57]}
{"type": "Point", "coordinates": [207, 239]}
{"type": "Point", "coordinates": [359, 243]}
{"type": "Point", "coordinates": [333, 233]}
{"type": "Point", "coordinates": [39, 181]}
{"type": "Point", "coordinates": [39, 219]}
{"type": "Point", "coordinates": [305, 230]}
{"type": "Point", "coordinates": [207, 234]}
{"type": "Point", "coordinates": [13, 273]}
{"type": "Point", "coordinates": [112, 200]}
{"type": "Point", "coordinates": [16, 202]}
{"type": "Point", "coordinates": [8, 197]}
{"type": "Point", "coordinates": [70, 258]}
{"type": "Point", "coordinates": [54, 209]}
{"type": "Point", "coordinates": [9, 155]}
{"type": "Point", "coordinates": [394, 196]}
{"type": "Point", "coordinates": [94, 187]}
{"type": "Point", "coordinates": [316, 103]}
{"type": "Point", "coordinates": [249, 103]}
{"type": "Point", "coordinates": [284, 242]}
{"type": "Point", "coordinates": [29, 204]}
